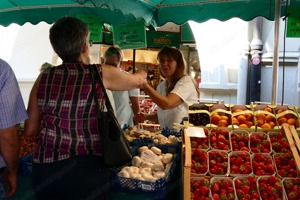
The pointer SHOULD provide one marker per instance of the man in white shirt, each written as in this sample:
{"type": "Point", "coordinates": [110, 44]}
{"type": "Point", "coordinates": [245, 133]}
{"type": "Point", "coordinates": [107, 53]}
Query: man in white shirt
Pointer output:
{"type": "Point", "coordinates": [126, 102]}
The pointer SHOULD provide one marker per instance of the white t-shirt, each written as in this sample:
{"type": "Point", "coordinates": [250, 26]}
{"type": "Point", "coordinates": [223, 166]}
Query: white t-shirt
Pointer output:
{"type": "Point", "coordinates": [124, 112]}
{"type": "Point", "coordinates": [186, 90]}
{"type": "Point", "coordinates": [111, 99]}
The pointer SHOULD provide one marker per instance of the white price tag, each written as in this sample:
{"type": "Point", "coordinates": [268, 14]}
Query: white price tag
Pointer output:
{"type": "Point", "coordinates": [146, 187]}
{"type": "Point", "coordinates": [195, 132]}
{"type": "Point", "coordinates": [147, 156]}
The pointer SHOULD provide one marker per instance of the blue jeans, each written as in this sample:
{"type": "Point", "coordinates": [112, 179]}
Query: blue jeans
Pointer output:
{"type": "Point", "coordinates": [2, 189]}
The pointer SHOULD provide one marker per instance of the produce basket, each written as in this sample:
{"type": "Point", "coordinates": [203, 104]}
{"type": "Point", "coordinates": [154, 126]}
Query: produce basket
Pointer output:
{"type": "Point", "coordinates": [279, 142]}
{"type": "Point", "coordinates": [240, 163]}
{"type": "Point", "coordinates": [219, 139]}
{"type": "Point", "coordinates": [260, 143]}
{"type": "Point", "coordinates": [267, 184]}
{"type": "Point", "coordinates": [199, 162]}
{"type": "Point", "coordinates": [199, 115]}
{"type": "Point", "coordinates": [242, 117]}
{"type": "Point", "coordinates": [218, 184]}
{"type": "Point", "coordinates": [262, 164]}
{"type": "Point", "coordinates": [218, 163]}
{"type": "Point", "coordinates": [239, 140]}
{"type": "Point", "coordinates": [291, 188]}
{"type": "Point", "coordinates": [245, 185]}
{"type": "Point", "coordinates": [157, 188]}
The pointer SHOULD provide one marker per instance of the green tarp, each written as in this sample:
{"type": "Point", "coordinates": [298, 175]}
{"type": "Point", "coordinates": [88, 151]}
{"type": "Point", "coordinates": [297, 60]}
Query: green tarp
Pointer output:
{"type": "Point", "coordinates": [152, 12]}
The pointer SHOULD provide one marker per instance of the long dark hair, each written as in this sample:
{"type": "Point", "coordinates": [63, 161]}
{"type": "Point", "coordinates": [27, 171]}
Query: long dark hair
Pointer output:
{"type": "Point", "coordinates": [177, 55]}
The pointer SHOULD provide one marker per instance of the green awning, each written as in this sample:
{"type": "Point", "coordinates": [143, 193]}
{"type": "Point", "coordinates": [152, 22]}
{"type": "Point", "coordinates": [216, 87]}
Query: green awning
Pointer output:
{"type": "Point", "coordinates": [151, 12]}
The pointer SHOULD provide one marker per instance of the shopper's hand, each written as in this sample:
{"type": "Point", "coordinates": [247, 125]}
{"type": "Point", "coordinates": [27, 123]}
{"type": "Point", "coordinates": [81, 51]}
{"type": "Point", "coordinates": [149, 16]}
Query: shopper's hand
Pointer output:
{"type": "Point", "coordinates": [11, 180]}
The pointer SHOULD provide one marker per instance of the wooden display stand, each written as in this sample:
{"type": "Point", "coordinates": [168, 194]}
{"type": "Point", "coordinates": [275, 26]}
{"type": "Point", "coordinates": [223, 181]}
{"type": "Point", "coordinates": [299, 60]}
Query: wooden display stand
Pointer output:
{"type": "Point", "coordinates": [186, 162]}
{"type": "Point", "coordinates": [294, 141]}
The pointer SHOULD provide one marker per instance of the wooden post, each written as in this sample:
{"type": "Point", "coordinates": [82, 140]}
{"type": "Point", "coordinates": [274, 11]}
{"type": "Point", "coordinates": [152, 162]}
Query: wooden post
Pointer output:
{"type": "Point", "coordinates": [187, 162]}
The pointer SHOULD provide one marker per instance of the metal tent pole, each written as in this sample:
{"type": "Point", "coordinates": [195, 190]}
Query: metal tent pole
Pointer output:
{"type": "Point", "coordinates": [276, 50]}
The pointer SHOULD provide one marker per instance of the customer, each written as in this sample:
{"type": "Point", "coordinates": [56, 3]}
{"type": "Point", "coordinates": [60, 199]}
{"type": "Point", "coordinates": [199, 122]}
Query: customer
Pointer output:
{"type": "Point", "coordinates": [12, 112]}
{"type": "Point", "coordinates": [67, 161]}
{"type": "Point", "coordinates": [173, 94]}
{"type": "Point", "coordinates": [126, 102]}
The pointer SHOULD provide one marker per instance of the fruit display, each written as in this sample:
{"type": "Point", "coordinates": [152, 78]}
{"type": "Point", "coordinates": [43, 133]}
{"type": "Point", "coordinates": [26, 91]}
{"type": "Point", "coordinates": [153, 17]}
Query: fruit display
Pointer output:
{"type": "Point", "coordinates": [239, 163]}
{"type": "Point", "coordinates": [254, 117]}
{"type": "Point", "coordinates": [147, 106]}
{"type": "Point", "coordinates": [279, 142]}
{"type": "Point", "coordinates": [242, 117]}
{"type": "Point", "coordinates": [258, 159]}
{"type": "Point", "coordinates": [262, 164]}
{"type": "Point", "coordinates": [286, 116]}
{"type": "Point", "coordinates": [218, 163]}
{"type": "Point", "coordinates": [285, 165]}
{"type": "Point", "coordinates": [291, 188]}
{"type": "Point", "coordinates": [239, 141]}
{"type": "Point", "coordinates": [260, 142]}
{"type": "Point", "coordinates": [201, 143]}
{"type": "Point", "coordinates": [200, 188]}
{"type": "Point", "coordinates": [199, 162]}
{"type": "Point", "coordinates": [219, 139]}
{"type": "Point", "coordinates": [265, 119]}
{"type": "Point", "coordinates": [221, 188]}
{"type": "Point", "coordinates": [220, 119]}
{"type": "Point", "coordinates": [245, 187]}
{"type": "Point", "coordinates": [199, 115]}
{"type": "Point", "coordinates": [270, 187]}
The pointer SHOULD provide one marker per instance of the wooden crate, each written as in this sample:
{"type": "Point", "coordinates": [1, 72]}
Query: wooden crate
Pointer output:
{"type": "Point", "coordinates": [294, 141]}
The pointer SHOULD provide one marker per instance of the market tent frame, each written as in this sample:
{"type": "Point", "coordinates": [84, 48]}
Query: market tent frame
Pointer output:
{"type": "Point", "coordinates": [153, 13]}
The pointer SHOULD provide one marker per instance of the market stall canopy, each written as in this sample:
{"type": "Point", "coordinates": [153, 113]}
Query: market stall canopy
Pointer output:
{"type": "Point", "coordinates": [153, 12]}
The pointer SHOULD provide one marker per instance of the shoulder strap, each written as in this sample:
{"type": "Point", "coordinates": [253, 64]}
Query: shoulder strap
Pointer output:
{"type": "Point", "coordinates": [94, 73]}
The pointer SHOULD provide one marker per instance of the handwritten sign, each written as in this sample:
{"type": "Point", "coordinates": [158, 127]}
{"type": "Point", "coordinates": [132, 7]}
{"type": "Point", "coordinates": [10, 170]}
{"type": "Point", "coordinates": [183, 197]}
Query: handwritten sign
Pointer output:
{"type": "Point", "coordinates": [146, 156]}
{"type": "Point", "coordinates": [195, 132]}
{"type": "Point", "coordinates": [293, 25]}
{"type": "Point", "coordinates": [95, 26]}
{"type": "Point", "coordinates": [160, 39]}
{"type": "Point", "coordinates": [130, 36]}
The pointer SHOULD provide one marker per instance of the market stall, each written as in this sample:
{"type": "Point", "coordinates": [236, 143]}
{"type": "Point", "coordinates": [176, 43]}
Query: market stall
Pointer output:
{"type": "Point", "coordinates": [245, 147]}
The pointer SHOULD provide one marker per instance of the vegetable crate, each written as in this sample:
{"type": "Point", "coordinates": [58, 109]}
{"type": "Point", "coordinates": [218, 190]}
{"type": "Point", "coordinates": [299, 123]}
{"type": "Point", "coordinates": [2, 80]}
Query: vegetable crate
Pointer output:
{"type": "Point", "coordinates": [158, 189]}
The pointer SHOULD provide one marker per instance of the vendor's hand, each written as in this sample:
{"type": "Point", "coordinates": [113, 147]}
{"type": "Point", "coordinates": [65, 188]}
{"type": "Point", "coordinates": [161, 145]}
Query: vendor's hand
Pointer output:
{"type": "Point", "coordinates": [140, 117]}
{"type": "Point", "coordinates": [143, 73]}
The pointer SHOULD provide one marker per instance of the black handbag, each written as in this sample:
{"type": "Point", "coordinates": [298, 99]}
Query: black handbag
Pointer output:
{"type": "Point", "coordinates": [115, 147]}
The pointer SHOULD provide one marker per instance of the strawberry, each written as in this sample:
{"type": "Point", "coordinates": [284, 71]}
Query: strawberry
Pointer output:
{"type": "Point", "coordinates": [204, 190]}
{"type": "Point", "coordinates": [215, 187]}
{"type": "Point", "coordinates": [238, 183]}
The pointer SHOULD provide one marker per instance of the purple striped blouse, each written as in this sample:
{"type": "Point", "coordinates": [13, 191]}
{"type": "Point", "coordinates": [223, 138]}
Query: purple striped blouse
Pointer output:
{"type": "Point", "coordinates": [68, 113]}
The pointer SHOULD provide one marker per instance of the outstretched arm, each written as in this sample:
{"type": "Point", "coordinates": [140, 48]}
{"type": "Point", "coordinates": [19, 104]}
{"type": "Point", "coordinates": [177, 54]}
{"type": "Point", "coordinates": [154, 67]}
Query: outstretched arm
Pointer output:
{"type": "Point", "coordinates": [169, 102]}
